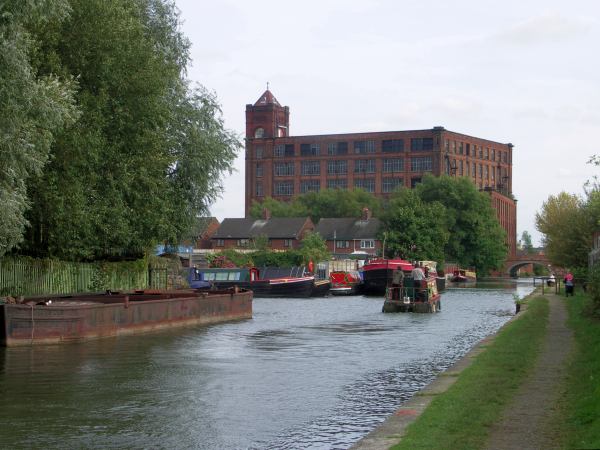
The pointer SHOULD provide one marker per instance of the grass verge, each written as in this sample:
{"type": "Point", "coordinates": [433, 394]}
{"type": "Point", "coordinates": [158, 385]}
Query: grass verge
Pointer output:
{"type": "Point", "coordinates": [581, 401]}
{"type": "Point", "coordinates": [461, 417]}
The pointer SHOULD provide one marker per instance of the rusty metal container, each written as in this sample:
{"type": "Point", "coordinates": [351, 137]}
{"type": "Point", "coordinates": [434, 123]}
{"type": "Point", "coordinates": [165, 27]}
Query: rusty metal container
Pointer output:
{"type": "Point", "coordinates": [53, 319]}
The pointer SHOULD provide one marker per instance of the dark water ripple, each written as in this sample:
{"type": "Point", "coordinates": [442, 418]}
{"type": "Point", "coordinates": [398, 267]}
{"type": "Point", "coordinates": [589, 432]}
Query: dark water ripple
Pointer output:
{"type": "Point", "coordinates": [304, 373]}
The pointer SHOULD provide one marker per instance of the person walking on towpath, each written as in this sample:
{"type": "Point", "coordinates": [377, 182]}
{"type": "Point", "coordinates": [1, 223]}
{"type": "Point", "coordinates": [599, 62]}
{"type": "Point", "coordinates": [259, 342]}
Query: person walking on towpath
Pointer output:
{"type": "Point", "coordinates": [569, 284]}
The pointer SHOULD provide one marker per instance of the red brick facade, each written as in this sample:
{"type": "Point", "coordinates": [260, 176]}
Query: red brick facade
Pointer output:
{"type": "Point", "coordinates": [282, 166]}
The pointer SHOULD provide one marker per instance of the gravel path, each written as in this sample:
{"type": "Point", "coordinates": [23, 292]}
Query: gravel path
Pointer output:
{"type": "Point", "coordinates": [527, 421]}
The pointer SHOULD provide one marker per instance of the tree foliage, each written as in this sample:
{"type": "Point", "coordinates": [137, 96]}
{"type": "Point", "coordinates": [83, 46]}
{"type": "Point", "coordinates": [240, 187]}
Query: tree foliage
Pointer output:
{"type": "Point", "coordinates": [313, 248]}
{"type": "Point", "coordinates": [414, 229]}
{"type": "Point", "coordinates": [567, 228]}
{"type": "Point", "coordinates": [34, 107]}
{"type": "Point", "coordinates": [147, 153]}
{"type": "Point", "coordinates": [476, 237]}
{"type": "Point", "coordinates": [525, 243]}
{"type": "Point", "coordinates": [325, 203]}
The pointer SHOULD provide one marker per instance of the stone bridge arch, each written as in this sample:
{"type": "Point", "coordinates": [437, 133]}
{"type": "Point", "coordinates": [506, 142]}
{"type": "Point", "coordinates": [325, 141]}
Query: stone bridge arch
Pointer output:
{"type": "Point", "coordinates": [512, 265]}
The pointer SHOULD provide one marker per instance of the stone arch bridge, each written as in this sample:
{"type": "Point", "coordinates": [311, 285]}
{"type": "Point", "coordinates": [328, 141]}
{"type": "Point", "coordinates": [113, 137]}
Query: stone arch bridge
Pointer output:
{"type": "Point", "coordinates": [512, 265]}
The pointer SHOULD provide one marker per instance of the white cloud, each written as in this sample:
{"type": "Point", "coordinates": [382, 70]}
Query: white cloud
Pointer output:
{"type": "Point", "coordinates": [547, 28]}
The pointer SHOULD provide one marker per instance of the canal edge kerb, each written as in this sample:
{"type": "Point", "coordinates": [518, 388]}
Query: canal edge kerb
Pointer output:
{"type": "Point", "coordinates": [391, 431]}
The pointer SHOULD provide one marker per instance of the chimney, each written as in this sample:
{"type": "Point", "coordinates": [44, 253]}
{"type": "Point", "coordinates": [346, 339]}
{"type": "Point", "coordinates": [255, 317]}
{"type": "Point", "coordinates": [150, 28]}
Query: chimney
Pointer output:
{"type": "Point", "coordinates": [266, 214]}
{"type": "Point", "coordinates": [366, 213]}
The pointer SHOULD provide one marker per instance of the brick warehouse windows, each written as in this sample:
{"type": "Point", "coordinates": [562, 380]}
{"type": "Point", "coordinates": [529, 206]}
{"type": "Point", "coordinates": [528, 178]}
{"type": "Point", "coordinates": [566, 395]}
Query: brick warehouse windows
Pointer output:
{"type": "Point", "coordinates": [393, 165]}
{"type": "Point", "coordinates": [259, 170]}
{"type": "Point", "coordinates": [421, 164]}
{"type": "Point", "coordinates": [337, 148]}
{"type": "Point", "coordinates": [283, 169]}
{"type": "Point", "coordinates": [364, 166]}
{"type": "Point", "coordinates": [368, 184]}
{"type": "Point", "coordinates": [362, 147]}
{"type": "Point", "coordinates": [389, 184]}
{"type": "Point", "coordinates": [311, 167]}
{"type": "Point", "coordinates": [392, 146]}
{"type": "Point", "coordinates": [337, 167]}
{"type": "Point", "coordinates": [417, 144]}
{"type": "Point", "coordinates": [284, 188]}
{"type": "Point", "coordinates": [337, 183]}
{"type": "Point", "coordinates": [283, 150]}
{"type": "Point", "coordinates": [309, 186]}
{"type": "Point", "coordinates": [310, 149]}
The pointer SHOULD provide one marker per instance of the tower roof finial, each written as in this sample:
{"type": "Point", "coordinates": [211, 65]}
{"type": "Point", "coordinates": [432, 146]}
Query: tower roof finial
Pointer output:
{"type": "Point", "coordinates": [267, 85]}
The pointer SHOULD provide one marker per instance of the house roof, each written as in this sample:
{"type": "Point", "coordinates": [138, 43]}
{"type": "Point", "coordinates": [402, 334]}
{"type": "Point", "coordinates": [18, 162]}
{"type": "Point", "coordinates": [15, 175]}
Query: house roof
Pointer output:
{"type": "Point", "coordinates": [274, 228]}
{"type": "Point", "coordinates": [348, 228]}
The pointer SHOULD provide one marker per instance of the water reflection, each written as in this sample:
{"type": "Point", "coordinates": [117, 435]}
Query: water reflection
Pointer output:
{"type": "Point", "coordinates": [304, 373]}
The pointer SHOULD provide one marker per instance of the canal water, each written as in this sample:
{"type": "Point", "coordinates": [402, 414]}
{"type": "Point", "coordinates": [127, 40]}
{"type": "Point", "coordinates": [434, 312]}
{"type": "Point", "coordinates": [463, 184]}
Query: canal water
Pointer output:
{"type": "Point", "coordinates": [315, 373]}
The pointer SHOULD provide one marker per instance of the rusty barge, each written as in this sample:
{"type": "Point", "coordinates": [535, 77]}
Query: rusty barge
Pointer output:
{"type": "Point", "coordinates": [73, 318]}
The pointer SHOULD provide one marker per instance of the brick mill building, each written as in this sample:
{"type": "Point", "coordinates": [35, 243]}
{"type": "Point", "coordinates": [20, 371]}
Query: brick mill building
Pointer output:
{"type": "Point", "coordinates": [282, 166]}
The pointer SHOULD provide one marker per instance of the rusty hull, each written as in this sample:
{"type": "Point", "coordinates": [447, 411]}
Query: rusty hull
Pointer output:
{"type": "Point", "coordinates": [78, 318]}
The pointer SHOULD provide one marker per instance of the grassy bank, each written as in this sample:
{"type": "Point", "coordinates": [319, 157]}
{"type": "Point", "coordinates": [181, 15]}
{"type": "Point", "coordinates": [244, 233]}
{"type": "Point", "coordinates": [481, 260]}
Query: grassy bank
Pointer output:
{"type": "Point", "coordinates": [581, 402]}
{"type": "Point", "coordinates": [461, 417]}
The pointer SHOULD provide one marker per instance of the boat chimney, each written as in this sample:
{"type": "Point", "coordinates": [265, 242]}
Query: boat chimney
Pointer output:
{"type": "Point", "coordinates": [366, 213]}
{"type": "Point", "coordinates": [266, 214]}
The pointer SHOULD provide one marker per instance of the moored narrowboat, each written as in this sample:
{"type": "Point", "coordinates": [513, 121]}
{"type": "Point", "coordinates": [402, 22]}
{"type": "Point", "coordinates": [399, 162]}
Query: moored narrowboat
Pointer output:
{"type": "Point", "coordinates": [378, 274]}
{"type": "Point", "coordinates": [463, 276]}
{"type": "Point", "coordinates": [266, 282]}
{"type": "Point", "coordinates": [345, 282]}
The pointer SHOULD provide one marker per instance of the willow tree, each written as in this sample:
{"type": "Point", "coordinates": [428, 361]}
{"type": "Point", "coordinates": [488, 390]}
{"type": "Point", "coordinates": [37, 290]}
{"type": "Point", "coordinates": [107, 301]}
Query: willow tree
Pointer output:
{"type": "Point", "coordinates": [34, 107]}
{"type": "Point", "coordinates": [148, 152]}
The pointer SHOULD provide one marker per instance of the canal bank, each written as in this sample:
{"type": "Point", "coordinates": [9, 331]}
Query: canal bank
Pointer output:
{"type": "Point", "coordinates": [526, 324]}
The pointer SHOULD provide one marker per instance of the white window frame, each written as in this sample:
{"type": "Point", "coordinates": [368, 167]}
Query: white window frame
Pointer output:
{"type": "Point", "coordinates": [367, 243]}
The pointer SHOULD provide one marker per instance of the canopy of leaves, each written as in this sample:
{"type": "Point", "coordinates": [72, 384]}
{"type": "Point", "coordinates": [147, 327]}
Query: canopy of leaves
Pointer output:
{"type": "Point", "coordinates": [34, 107]}
{"type": "Point", "coordinates": [325, 203]}
{"type": "Point", "coordinates": [313, 248]}
{"type": "Point", "coordinates": [476, 237]}
{"type": "Point", "coordinates": [567, 228]}
{"type": "Point", "coordinates": [146, 156]}
{"type": "Point", "coordinates": [414, 229]}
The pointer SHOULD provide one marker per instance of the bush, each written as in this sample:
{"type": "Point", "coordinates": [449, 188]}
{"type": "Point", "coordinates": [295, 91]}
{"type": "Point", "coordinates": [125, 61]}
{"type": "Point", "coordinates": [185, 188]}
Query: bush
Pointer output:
{"type": "Point", "coordinates": [593, 288]}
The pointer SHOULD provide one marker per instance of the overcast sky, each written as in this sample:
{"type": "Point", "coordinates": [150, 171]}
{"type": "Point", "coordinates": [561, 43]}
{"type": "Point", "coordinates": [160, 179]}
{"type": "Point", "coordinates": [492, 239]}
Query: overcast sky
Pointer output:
{"type": "Point", "coordinates": [509, 71]}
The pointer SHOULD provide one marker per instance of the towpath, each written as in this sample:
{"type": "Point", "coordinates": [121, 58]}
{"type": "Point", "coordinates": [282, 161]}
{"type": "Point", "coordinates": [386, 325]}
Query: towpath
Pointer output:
{"type": "Point", "coordinates": [527, 422]}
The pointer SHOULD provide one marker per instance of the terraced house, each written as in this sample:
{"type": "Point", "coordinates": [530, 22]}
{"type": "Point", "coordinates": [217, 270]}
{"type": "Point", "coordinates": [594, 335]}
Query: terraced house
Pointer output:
{"type": "Point", "coordinates": [283, 166]}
